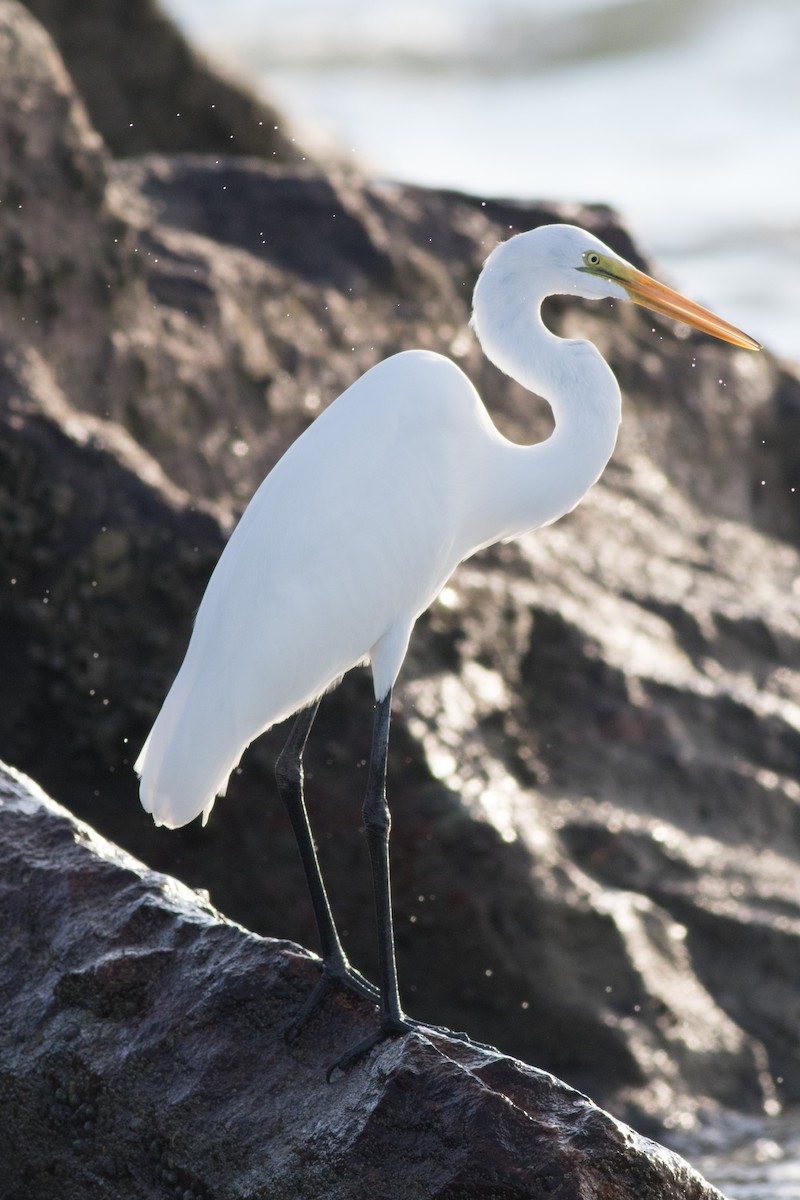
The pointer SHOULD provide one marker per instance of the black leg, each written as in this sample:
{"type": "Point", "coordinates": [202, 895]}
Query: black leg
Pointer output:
{"type": "Point", "coordinates": [336, 969]}
{"type": "Point", "coordinates": [377, 821]}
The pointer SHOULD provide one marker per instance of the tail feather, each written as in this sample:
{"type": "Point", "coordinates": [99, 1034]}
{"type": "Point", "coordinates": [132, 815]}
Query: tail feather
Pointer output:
{"type": "Point", "coordinates": [239, 678]}
{"type": "Point", "coordinates": [207, 721]}
{"type": "Point", "coordinates": [187, 758]}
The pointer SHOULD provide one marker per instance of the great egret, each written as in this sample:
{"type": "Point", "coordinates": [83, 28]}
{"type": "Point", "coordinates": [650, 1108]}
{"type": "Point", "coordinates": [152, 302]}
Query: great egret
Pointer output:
{"type": "Point", "coordinates": [356, 530]}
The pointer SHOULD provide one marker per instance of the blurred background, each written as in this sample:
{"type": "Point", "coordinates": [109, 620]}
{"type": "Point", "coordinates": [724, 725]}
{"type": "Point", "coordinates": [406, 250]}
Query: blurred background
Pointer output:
{"type": "Point", "coordinates": [684, 115]}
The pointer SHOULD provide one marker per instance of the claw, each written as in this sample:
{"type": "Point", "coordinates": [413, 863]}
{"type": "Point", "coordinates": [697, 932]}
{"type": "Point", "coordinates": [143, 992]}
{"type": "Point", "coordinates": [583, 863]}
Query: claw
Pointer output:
{"type": "Point", "coordinates": [312, 1003]}
{"type": "Point", "coordinates": [389, 1027]}
{"type": "Point", "coordinates": [333, 975]}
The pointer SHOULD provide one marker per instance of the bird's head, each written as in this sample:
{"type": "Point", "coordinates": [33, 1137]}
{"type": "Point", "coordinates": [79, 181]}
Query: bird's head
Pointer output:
{"type": "Point", "coordinates": [609, 270]}
{"type": "Point", "coordinates": [566, 260]}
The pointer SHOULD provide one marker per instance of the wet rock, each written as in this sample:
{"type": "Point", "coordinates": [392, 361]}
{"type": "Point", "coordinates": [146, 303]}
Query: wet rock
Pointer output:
{"type": "Point", "coordinates": [596, 745]}
{"type": "Point", "coordinates": [133, 1011]}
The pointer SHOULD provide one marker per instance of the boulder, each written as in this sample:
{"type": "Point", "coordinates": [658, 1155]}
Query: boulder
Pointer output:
{"type": "Point", "coordinates": [595, 743]}
{"type": "Point", "coordinates": [160, 93]}
{"type": "Point", "coordinates": [141, 1054]}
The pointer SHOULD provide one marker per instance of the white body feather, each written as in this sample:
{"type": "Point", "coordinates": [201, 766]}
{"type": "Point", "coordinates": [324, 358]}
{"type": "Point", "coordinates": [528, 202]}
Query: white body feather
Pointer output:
{"type": "Point", "coordinates": [361, 523]}
{"type": "Point", "coordinates": [319, 575]}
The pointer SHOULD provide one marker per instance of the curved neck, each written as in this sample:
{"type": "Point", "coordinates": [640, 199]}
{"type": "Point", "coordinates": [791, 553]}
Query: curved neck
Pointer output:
{"type": "Point", "coordinates": [531, 486]}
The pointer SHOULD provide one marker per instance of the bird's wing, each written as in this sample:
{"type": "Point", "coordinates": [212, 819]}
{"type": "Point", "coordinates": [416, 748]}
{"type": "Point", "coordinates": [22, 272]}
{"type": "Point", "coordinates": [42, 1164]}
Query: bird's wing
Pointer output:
{"type": "Point", "coordinates": [347, 540]}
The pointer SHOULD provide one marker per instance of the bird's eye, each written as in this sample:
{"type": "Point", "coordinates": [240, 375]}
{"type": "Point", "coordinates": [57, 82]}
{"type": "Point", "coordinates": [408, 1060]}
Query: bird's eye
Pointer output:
{"type": "Point", "coordinates": [591, 258]}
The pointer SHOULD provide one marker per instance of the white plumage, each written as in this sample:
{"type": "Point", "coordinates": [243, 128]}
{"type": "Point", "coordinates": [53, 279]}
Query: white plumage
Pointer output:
{"type": "Point", "coordinates": [358, 527]}
{"type": "Point", "coordinates": [317, 576]}
{"type": "Point", "coordinates": [361, 523]}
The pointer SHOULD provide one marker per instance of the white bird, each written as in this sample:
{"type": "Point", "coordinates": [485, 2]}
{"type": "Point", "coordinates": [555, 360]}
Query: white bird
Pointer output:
{"type": "Point", "coordinates": [357, 529]}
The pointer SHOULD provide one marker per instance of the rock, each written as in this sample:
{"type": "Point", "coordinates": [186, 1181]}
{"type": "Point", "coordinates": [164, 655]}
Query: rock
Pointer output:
{"type": "Point", "coordinates": [161, 94]}
{"type": "Point", "coordinates": [595, 744]}
{"type": "Point", "coordinates": [133, 1011]}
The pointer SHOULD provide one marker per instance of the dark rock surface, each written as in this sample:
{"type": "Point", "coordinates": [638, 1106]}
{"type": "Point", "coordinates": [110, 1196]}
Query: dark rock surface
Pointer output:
{"type": "Point", "coordinates": [596, 739]}
{"type": "Point", "coordinates": [141, 1055]}
{"type": "Point", "coordinates": [146, 88]}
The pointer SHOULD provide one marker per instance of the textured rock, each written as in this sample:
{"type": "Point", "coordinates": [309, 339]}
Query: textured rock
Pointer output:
{"type": "Point", "coordinates": [596, 744]}
{"type": "Point", "coordinates": [141, 1055]}
{"type": "Point", "coordinates": [159, 94]}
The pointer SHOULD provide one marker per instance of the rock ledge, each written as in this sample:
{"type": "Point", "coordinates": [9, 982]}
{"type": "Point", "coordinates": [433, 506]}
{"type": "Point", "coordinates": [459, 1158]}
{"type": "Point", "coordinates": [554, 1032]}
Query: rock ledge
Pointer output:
{"type": "Point", "coordinates": [141, 1048]}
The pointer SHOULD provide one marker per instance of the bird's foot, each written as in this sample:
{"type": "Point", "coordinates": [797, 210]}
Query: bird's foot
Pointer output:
{"type": "Point", "coordinates": [353, 981]}
{"type": "Point", "coordinates": [335, 974]}
{"type": "Point", "coordinates": [389, 1027]}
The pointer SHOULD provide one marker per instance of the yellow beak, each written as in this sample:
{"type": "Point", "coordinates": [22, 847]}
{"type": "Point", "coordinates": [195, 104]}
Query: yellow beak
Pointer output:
{"type": "Point", "coordinates": [657, 296]}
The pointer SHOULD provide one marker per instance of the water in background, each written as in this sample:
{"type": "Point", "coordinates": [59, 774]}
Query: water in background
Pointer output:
{"type": "Point", "coordinates": [684, 114]}
{"type": "Point", "coordinates": [752, 1160]}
